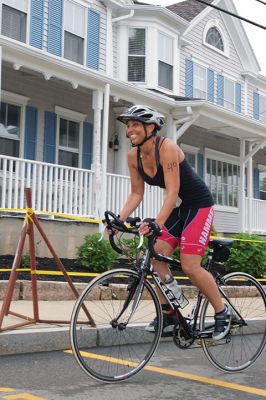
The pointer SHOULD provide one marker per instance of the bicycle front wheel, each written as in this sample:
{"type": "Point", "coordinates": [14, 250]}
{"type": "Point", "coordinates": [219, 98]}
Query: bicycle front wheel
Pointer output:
{"type": "Point", "coordinates": [112, 344]}
{"type": "Point", "coordinates": [247, 336]}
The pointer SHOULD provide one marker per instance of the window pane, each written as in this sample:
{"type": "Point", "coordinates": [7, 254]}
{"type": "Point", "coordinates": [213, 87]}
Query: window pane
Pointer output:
{"type": "Point", "coordinates": [73, 135]}
{"type": "Point", "coordinates": [14, 23]}
{"type": "Point", "coordinates": [262, 185]}
{"type": "Point", "coordinates": [68, 158]}
{"type": "Point", "coordinates": [63, 132]}
{"type": "Point", "coordinates": [73, 48]}
{"type": "Point", "coordinates": [165, 75]}
{"type": "Point", "coordinates": [229, 94]}
{"type": "Point", "coordinates": [165, 49]}
{"type": "Point", "coordinates": [136, 69]}
{"type": "Point", "coordinates": [9, 147]}
{"type": "Point", "coordinates": [214, 38]}
{"type": "Point", "coordinates": [200, 80]}
{"type": "Point", "coordinates": [263, 108]}
{"type": "Point", "coordinates": [191, 158]}
{"type": "Point", "coordinates": [223, 181]}
{"type": "Point", "coordinates": [13, 119]}
{"type": "Point", "coordinates": [136, 55]}
{"type": "Point", "coordinates": [136, 41]}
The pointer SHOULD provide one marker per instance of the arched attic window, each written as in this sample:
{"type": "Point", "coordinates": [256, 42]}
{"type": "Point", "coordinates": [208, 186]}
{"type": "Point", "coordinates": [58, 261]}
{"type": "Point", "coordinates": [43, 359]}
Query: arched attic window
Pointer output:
{"type": "Point", "coordinates": [214, 38]}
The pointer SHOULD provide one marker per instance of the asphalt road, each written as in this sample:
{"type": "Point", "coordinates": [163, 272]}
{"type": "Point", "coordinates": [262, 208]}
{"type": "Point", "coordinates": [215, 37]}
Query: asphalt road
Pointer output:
{"type": "Point", "coordinates": [57, 376]}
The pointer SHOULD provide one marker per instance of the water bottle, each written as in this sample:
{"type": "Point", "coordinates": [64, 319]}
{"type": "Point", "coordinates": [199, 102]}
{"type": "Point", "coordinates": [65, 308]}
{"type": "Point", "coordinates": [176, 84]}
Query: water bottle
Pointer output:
{"type": "Point", "coordinates": [172, 284]}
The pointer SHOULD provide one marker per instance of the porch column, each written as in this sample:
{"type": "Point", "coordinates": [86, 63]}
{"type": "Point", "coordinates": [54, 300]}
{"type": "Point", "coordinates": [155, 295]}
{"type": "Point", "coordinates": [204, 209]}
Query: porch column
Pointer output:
{"type": "Point", "coordinates": [250, 190]}
{"type": "Point", "coordinates": [120, 156]}
{"type": "Point", "coordinates": [0, 73]}
{"type": "Point", "coordinates": [104, 147]}
{"type": "Point", "coordinates": [241, 189]}
{"type": "Point", "coordinates": [97, 105]}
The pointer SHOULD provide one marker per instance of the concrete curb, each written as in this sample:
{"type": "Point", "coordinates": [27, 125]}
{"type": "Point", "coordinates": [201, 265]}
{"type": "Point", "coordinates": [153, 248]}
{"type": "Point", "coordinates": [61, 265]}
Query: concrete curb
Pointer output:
{"type": "Point", "coordinates": [21, 341]}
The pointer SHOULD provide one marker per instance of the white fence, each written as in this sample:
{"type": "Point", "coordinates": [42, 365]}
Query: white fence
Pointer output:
{"type": "Point", "coordinates": [54, 188]}
{"type": "Point", "coordinates": [255, 220]}
{"type": "Point", "coordinates": [118, 189]}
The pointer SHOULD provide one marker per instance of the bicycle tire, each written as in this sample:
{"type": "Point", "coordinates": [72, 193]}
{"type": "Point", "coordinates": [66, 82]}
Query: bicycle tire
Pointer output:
{"type": "Point", "coordinates": [243, 344]}
{"type": "Point", "coordinates": [104, 352]}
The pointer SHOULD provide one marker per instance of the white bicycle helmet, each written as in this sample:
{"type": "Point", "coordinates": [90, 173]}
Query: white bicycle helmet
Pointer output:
{"type": "Point", "coordinates": [143, 114]}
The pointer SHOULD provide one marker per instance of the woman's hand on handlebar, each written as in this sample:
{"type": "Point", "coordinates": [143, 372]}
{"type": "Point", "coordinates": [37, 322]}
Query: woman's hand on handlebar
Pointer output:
{"type": "Point", "coordinates": [150, 227]}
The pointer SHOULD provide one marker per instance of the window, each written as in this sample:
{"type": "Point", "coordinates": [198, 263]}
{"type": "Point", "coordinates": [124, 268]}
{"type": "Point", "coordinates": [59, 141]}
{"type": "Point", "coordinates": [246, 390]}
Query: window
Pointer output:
{"type": "Point", "coordinates": [136, 55]}
{"type": "Point", "coordinates": [165, 78]}
{"type": "Point", "coordinates": [200, 81]}
{"type": "Point", "coordinates": [262, 108]}
{"type": "Point", "coordinates": [68, 150]}
{"type": "Point", "coordinates": [262, 177]}
{"type": "Point", "coordinates": [214, 38]}
{"type": "Point", "coordinates": [10, 117]}
{"type": "Point", "coordinates": [74, 46]}
{"type": "Point", "coordinates": [223, 180]}
{"type": "Point", "coordinates": [74, 28]}
{"type": "Point", "coordinates": [14, 23]}
{"type": "Point", "coordinates": [229, 94]}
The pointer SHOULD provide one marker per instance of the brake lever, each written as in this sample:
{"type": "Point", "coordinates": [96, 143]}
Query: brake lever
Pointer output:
{"type": "Point", "coordinates": [141, 240]}
{"type": "Point", "coordinates": [102, 229]}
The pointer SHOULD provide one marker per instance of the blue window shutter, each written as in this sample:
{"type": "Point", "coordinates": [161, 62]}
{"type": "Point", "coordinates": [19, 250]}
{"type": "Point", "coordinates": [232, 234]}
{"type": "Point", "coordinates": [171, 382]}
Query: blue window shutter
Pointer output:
{"type": "Point", "coordinates": [238, 97]}
{"type": "Point", "coordinates": [93, 43]}
{"type": "Point", "coordinates": [189, 78]}
{"type": "Point", "coordinates": [49, 137]}
{"type": "Point", "coordinates": [200, 165]}
{"type": "Point", "coordinates": [256, 105]}
{"type": "Point", "coordinates": [36, 23]}
{"type": "Point", "coordinates": [220, 90]}
{"type": "Point", "coordinates": [30, 133]}
{"type": "Point", "coordinates": [87, 145]}
{"type": "Point", "coordinates": [55, 26]}
{"type": "Point", "coordinates": [210, 85]}
{"type": "Point", "coordinates": [256, 183]}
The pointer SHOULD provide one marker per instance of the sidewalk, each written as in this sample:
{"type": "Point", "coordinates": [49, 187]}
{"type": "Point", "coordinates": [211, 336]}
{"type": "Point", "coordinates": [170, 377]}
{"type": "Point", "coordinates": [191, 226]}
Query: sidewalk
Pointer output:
{"type": "Point", "coordinates": [56, 302]}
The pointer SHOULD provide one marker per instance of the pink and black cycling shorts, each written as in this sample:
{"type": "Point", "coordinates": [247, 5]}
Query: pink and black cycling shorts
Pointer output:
{"type": "Point", "coordinates": [189, 228]}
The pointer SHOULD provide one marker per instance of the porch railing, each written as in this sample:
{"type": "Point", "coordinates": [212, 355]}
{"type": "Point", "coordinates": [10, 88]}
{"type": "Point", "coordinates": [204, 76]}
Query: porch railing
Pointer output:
{"type": "Point", "coordinates": [55, 188]}
{"type": "Point", "coordinates": [255, 220]}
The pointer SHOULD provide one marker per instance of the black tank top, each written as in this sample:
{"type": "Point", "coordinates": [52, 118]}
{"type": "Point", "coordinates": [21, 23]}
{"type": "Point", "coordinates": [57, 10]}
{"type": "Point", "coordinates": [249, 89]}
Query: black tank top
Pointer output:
{"type": "Point", "coordinates": [193, 191]}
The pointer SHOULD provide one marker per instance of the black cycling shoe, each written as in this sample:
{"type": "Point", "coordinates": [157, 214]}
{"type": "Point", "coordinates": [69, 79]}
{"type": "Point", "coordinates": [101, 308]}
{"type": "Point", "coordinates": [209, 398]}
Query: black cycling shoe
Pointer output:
{"type": "Point", "coordinates": [169, 321]}
{"type": "Point", "coordinates": [222, 323]}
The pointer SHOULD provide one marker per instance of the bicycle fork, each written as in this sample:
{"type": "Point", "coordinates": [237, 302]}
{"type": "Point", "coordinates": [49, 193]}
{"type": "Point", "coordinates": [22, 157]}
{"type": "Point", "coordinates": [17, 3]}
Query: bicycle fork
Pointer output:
{"type": "Point", "coordinates": [135, 290]}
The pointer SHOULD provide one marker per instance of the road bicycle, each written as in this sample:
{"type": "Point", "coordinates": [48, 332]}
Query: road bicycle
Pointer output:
{"type": "Point", "coordinates": [109, 320]}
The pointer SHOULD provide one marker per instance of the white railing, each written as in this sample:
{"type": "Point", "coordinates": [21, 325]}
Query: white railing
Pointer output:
{"type": "Point", "coordinates": [118, 189]}
{"type": "Point", "coordinates": [255, 220]}
{"type": "Point", "coordinates": [55, 188]}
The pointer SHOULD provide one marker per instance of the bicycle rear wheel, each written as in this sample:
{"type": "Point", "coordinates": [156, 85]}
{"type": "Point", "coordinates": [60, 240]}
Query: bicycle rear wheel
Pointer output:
{"type": "Point", "coordinates": [111, 351]}
{"type": "Point", "coordinates": [246, 338]}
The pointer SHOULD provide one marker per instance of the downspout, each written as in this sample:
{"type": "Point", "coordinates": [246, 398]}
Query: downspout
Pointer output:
{"type": "Point", "coordinates": [124, 16]}
{"type": "Point", "coordinates": [241, 190]}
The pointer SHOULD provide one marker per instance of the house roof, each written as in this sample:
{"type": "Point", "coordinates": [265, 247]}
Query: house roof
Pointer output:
{"type": "Point", "coordinates": [188, 9]}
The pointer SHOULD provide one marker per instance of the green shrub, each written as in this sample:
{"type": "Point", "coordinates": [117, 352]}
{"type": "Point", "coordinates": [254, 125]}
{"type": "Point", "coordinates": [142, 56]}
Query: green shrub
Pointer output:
{"type": "Point", "coordinates": [94, 255]}
{"type": "Point", "coordinates": [249, 257]}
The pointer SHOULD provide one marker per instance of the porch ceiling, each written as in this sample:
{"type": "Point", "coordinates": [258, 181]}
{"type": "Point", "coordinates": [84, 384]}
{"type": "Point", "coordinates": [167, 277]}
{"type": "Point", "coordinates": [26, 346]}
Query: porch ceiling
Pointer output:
{"type": "Point", "coordinates": [214, 118]}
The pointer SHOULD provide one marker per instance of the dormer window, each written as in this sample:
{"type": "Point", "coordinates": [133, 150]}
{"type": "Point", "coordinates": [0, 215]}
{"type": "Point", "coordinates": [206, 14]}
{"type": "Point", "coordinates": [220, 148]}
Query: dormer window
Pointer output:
{"type": "Point", "coordinates": [214, 38]}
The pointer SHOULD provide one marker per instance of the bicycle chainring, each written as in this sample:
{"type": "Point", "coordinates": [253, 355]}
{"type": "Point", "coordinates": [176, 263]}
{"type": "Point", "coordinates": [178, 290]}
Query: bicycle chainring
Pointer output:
{"type": "Point", "coordinates": [181, 338]}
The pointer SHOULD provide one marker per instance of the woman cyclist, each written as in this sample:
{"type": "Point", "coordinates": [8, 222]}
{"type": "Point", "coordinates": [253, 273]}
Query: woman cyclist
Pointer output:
{"type": "Point", "coordinates": [186, 215]}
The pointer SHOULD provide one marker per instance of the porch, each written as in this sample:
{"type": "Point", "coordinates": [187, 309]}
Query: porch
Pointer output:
{"type": "Point", "coordinates": [73, 191]}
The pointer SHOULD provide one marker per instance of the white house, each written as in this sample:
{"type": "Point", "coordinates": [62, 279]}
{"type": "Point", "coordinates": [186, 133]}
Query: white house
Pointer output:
{"type": "Point", "coordinates": [69, 67]}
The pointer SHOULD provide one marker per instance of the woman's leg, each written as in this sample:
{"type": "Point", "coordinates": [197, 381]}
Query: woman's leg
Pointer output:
{"type": "Point", "coordinates": [202, 279]}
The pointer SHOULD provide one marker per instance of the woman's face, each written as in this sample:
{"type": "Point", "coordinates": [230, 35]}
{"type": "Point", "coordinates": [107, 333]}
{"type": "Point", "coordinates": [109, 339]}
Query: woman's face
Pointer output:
{"type": "Point", "coordinates": [136, 132]}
